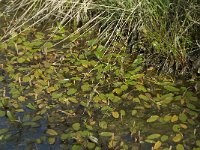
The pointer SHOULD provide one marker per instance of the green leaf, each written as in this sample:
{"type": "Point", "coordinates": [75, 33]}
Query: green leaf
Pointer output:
{"type": "Point", "coordinates": [177, 138]}
{"type": "Point", "coordinates": [171, 88]}
{"type": "Point", "coordinates": [30, 106]}
{"type": "Point", "coordinates": [21, 60]}
{"type": "Point", "coordinates": [65, 136]}
{"type": "Point", "coordinates": [106, 134]}
{"type": "Point", "coordinates": [76, 126]}
{"type": "Point", "coordinates": [143, 97]}
{"type": "Point", "coordinates": [71, 91]}
{"type": "Point", "coordinates": [134, 112]}
{"type": "Point", "coordinates": [153, 136]}
{"type": "Point", "coordinates": [153, 118]}
{"type": "Point", "coordinates": [198, 143]}
{"type": "Point", "coordinates": [179, 147]}
{"type": "Point", "coordinates": [86, 87]}
{"type": "Point", "coordinates": [115, 114]}
{"type": "Point", "coordinates": [167, 118]}
{"type": "Point", "coordinates": [122, 112]}
{"type": "Point", "coordinates": [157, 145]}
{"type": "Point", "coordinates": [176, 128]}
{"type": "Point", "coordinates": [73, 100]}
{"type": "Point", "coordinates": [51, 140]}
{"type": "Point", "coordinates": [90, 145]}
{"type": "Point", "coordinates": [2, 113]}
{"type": "Point", "coordinates": [76, 147]}
{"type": "Point", "coordinates": [124, 87]}
{"type": "Point", "coordinates": [92, 42]}
{"type": "Point", "coordinates": [164, 138]}
{"type": "Point", "coordinates": [174, 118]}
{"type": "Point", "coordinates": [51, 132]}
{"type": "Point", "coordinates": [141, 88]}
{"type": "Point", "coordinates": [10, 115]}
{"type": "Point", "coordinates": [4, 130]}
{"type": "Point", "coordinates": [48, 45]}
{"type": "Point", "coordinates": [182, 117]}
{"type": "Point", "coordinates": [103, 124]}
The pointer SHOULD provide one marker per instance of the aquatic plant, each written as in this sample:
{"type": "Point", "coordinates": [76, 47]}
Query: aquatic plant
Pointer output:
{"type": "Point", "coordinates": [164, 27]}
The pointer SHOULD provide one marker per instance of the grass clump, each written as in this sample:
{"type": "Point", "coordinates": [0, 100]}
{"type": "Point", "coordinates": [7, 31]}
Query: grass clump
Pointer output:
{"type": "Point", "coordinates": [166, 29]}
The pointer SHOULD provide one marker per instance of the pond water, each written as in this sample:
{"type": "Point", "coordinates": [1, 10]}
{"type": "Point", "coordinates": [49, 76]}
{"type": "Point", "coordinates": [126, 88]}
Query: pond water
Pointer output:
{"type": "Point", "coordinates": [82, 95]}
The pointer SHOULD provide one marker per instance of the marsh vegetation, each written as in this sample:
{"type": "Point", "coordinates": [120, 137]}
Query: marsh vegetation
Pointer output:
{"type": "Point", "coordinates": [99, 74]}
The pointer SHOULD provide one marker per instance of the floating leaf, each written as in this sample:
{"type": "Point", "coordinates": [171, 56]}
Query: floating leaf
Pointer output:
{"type": "Point", "coordinates": [10, 115]}
{"type": "Point", "coordinates": [171, 88]}
{"type": "Point", "coordinates": [4, 130]}
{"type": "Point", "coordinates": [31, 123]}
{"type": "Point", "coordinates": [184, 126]}
{"type": "Point", "coordinates": [117, 91]}
{"type": "Point", "coordinates": [73, 100]}
{"type": "Point", "coordinates": [115, 114]}
{"type": "Point", "coordinates": [164, 138]}
{"type": "Point", "coordinates": [191, 106]}
{"type": "Point", "coordinates": [90, 145]}
{"type": "Point", "coordinates": [51, 89]}
{"type": "Point", "coordinates": [157, 145]}
{"type": "Point", "coordinates": [198, 143]}
{"type": "Point", "coordinates": [51, 132]}
{"type": "Point", "coordinates": [76, 147]}
{"type": "Point", "coordinates": [153, 136]}
{"type": "Point", "coordinates": [30, 106]}
{"type": "Point", "coordinates": [103, 124]}
{"type": "Point", "coordinates": [76, 126]}
{"type": "Point", "coordinates": [141, 88]}
{"type": "Point", "coordinates": [179, 147]}
{"type": "Point", "coordinates": [86, 87]}
{"type": "Point", "coordinates": [176, 128]}
{"type": "Point", "coordinates": [65, 136]}
{"type": "Point", "coordinates": [177, 138]}
{"type": "Point", "coordinates": [106, 134]}
{"type": "Point", "coordinates": [36, 118]}
{"type": "Point", "coordinates": [21, 60]}
{"type": "Point", "coordinates": [122, 112]}
{"type": "Point", "coordinates": [182, 117]}
{"type": "Point", "coordinates": [124, 87]}
{"type": "Point", "coordinates": [153, 118]}
{"type": "Point", "coordinates": [134, 112]}
{"type": "Point", "coordinates": [143, 97]}
{"type": "Point", "coordinates": [2, 113]}
{"type": "Point", "coordinates": [51, 140]}
{"type": "Point", "coordinates": [137, 100]}
{"type": "Point", "coordinates": [167, 118]}
{"type": "Point", "coordinates": [21, 98]}
{"type": "Point", "coordinates": [26, 79]}
{"type": "Point", "coordinates": [71, 91]}
{"type": "Point", "coordinates": [174, 118]}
